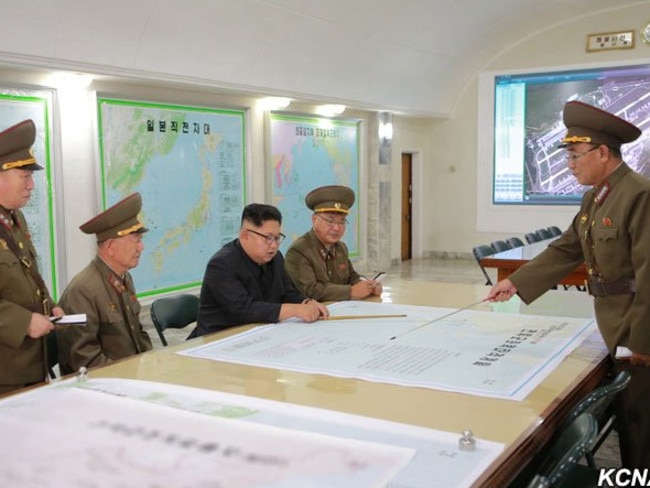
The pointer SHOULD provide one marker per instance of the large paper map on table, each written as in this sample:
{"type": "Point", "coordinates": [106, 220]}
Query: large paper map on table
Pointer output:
{"type": "Point", "coordinates": [438, 461]}
{"type": "Point", "coordinates": [481, 353]}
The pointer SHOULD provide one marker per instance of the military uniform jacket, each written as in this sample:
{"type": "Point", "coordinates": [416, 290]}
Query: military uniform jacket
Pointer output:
{"type": "Point", "coordinates": [22, 359]}
{"type": "Point", "coordinates": [321, 274]}
{"type": "Point", "coordinates": [614, 233]}
{"type": "Point", "coordinates": [113, 330]}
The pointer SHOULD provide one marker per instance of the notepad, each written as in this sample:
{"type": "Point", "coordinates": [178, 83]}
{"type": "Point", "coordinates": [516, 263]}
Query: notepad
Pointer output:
{"type": "Point", "coordinates": [623, 352]}
{"type": "Point", "coordinates": [74, 319]}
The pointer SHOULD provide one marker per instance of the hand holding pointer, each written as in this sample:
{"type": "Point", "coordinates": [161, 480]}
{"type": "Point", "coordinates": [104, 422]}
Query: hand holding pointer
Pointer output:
{"type": "Point", "coordinates": [502, 291]}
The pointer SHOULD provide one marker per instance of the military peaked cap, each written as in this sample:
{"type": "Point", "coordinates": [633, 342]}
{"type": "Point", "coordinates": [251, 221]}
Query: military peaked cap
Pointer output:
{"type": "Point", "coordinates": [16, 147]}
{"type": "Point", "coordinates": [333, 198]}
{"type": "Point", "coordinates": [117, 221]}
{"type": "Point", "coordinates": [586, 123]}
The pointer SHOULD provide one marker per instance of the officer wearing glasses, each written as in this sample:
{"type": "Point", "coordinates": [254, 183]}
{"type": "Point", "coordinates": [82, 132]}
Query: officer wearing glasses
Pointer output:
{"type": "Point", "coordinates": [611, 235]}
{"type": "Point", "coordinates": [318, 262]}
{"type": "Point", "coordinates": [245, 281]}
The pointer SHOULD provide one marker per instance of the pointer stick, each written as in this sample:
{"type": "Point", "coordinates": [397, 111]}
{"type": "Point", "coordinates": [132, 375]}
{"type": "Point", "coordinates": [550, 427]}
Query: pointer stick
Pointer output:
{"type": "Point", "coordinates": [352, 317]}
{"type": "Point", "coordinates": [439, 318]}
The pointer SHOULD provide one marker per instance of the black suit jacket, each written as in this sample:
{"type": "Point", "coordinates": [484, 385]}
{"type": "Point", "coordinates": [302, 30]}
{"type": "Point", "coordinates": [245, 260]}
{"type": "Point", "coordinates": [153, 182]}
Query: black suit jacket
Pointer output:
{"type": "Point", "coordinates": [238, 291]}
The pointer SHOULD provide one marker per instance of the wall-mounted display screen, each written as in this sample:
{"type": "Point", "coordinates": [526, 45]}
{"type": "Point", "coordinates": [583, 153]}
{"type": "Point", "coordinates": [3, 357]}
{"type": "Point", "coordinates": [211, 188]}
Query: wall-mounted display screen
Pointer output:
{"type": "Point", "coordinates": [529, 168]}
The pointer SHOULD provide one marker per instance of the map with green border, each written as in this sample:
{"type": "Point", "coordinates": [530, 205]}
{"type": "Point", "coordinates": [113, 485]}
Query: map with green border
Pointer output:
{"type": "Point", "coordinates": [308, 152]}
{"type": "Point", "coordinates": [188, 163]}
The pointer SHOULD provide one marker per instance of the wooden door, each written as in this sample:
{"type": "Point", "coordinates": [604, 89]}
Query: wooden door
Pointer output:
{"type": "Point", "coordinates": [407, 192]}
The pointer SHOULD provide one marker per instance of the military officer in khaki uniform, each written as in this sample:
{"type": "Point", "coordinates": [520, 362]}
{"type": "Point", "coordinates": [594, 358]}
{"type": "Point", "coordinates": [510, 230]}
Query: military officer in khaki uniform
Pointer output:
{"type": "Point", "coordinates": [25, 303]}
{"type": "Point", "coordinates": [318, 262]}
{"type": "Point", "coordinates": [611, 235]}
{"type": "Point", "coordinates": [104, 291]}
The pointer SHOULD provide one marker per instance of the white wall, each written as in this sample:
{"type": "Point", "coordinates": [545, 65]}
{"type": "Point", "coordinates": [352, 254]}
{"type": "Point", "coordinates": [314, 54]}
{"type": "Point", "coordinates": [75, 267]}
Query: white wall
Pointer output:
{"type": "Point", "coordinates": [76, 158]}
{"type": "Point", "coordinates": [453, 196]}
{"type": "Point", "coordinates": [445, 150]}
{"type": "Point", "coordinates": [412, 135]}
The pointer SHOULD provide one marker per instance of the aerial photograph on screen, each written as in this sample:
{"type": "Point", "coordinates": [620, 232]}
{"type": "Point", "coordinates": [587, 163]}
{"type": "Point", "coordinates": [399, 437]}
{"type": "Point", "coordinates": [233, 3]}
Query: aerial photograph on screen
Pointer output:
{"type": "Point", "coordinates": [545, 177]}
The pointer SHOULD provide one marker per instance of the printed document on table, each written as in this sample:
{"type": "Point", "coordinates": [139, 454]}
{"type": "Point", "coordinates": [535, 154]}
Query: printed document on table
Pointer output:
{"type": "Point", "coordinates": [492, 354]}
{"type": "Point", "coordinates": [438, 461]}
{"type": "Point", "coordinates": [115, 441]}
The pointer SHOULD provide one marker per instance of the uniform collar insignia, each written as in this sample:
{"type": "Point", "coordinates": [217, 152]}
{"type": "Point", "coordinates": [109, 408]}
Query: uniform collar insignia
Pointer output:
{"type": "Point", "coordinates": [6, 220]}
{"type": "Point", "coordinates": [3, 245]}
{"type": "Point", "coordinates": [601, 193]}
{"type": "Point", "coordinates": [116, 283]}
{"type": "Point", "coordinates": [327, 253]}
{"type": "Point", "coordinates": [583, 218]}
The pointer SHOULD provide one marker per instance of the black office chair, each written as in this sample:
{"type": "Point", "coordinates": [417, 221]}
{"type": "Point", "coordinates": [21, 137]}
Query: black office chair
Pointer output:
{"type": "Point", "coordinates": [554, 231]}
{"type": "Point", "coordinates": [543, 234]}
{"type": "Point", "coordinates": [499, 246]}
{"type": "Point", "coordinates": [480, 252]}
{"type": "Point", "coordinates": [561, 466]}
{"type": "Point", "coordinates": [175, 312]}
{"type": "Point", "coordinates": [514, 242]}
{"type": "Point", "coordinates": [599, 403]}
{"type": "Point", "coordinates": [532, 237]}
{"type": "Point", "coordinates": [539, 481]}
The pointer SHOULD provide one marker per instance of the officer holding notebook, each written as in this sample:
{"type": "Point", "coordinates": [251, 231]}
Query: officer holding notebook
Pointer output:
{"type": "Point", "coordinates": [611, 235]}
{"type": "Point", "coordinates": [25, 303]}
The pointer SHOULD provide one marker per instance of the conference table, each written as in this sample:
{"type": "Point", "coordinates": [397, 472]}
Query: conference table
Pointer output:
{"type": "Point", "coordinates": [524, 427]}
{"type": "Point", "coordinates": [507, 262]}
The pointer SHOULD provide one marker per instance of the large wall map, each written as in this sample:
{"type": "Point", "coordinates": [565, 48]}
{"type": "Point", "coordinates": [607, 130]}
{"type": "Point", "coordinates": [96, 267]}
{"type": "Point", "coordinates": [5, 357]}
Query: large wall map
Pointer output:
{"type": "Point", "coordinates": [16, 106]}
{"type": "Point", "coordinates": [308, 152]}
{"type": "Point", "coordinates": [189, 165]}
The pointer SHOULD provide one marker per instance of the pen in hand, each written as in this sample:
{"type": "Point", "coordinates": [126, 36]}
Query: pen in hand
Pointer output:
{"type": "Point", "coordinates": [377, 279]}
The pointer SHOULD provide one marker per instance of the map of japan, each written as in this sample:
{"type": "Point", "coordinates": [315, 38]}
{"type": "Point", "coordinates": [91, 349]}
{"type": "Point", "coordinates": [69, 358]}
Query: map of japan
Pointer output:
{"type": "Point", "coordinates": [189, 165]}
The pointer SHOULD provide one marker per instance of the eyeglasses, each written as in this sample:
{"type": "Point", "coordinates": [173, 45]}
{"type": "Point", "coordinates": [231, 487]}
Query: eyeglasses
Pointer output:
{"type": "Point", "coordinates": [269, 239]}
{"type": "Point", "coordinates": [572, 158]}
{"type": "Point", "coordinates": [333, 222]}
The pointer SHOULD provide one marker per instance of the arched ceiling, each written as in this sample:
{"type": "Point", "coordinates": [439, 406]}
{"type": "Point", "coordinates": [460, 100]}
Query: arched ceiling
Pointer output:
{"type": "Point", "coordinates": [412, 56]}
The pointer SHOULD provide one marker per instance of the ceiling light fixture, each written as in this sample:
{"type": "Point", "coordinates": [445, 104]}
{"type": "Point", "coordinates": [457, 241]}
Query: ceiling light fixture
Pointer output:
{"type": "Point", "coordinates": [330, 110]}
{"type": "Point", "coordinates": [274, 103]}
